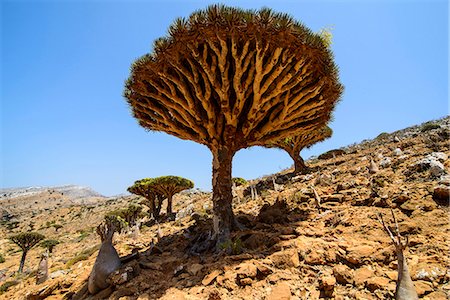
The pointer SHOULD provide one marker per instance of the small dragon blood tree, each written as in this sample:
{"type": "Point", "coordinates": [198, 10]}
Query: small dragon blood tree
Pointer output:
{"type": "Point", "coordinates": [26, 241]}
{"type": "Point", "coordinates": [169, 186]}
{"type": "Point", "coordinates": [153, 198]}
{"type": "Point", "coordinates": [295, 144]}
{"type": "Point", "coordinates": [229, 79]}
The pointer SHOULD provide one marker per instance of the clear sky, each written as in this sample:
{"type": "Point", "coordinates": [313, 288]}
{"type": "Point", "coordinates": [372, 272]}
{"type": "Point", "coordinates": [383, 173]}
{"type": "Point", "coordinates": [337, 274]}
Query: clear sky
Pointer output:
{"type": "Point", "coordinates": [63, 66]}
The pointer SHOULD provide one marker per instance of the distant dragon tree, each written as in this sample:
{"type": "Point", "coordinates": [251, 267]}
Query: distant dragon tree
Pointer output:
{"type": "Point", "coordinates": [229, 79]}
{"type": "Point", "coordinates": [294, 145]}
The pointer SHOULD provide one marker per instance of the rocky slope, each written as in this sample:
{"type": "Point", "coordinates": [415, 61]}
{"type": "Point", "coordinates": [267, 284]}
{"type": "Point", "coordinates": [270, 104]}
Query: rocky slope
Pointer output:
{"type": "Point", "coordinates": [290, 248]}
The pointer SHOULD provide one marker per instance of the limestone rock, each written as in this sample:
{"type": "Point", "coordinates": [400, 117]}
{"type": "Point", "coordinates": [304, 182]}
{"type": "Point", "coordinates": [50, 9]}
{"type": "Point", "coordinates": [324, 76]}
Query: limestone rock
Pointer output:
{"type": "Point", "coordinates": [326, 284]}
{"type": "Point", "coordinates": [286, 258]}
{"type": "Point", "coordinates": [361, 275]}
{"type": "Point", "coordinates": [359, 254]}
{"type": "Point", "coordinates": [281, 291]}
{"type": "Point", "coordinates": [343, 274]}
{"type": "Point", "coordinates": [440, 156]}
{"type": "Point", "coordinates": [385, 162]}
{"type": "Point", "coordinates": [194, 269]}
{"type": "Point", "coordinates": [398, 152]}
{"type": "Point", "coordinates": [208, 279]}
{"type": "Point", "coordinates": [376, 283]}
{"type": "Point", "coordinates": [423, 287]}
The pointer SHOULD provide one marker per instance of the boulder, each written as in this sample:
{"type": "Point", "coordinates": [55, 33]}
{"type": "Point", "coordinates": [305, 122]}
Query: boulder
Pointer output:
{"type": "Point", "coordinates": [361, 275]}
{"type": "Point", "coordinates": [281, 291]}
{"type": "Point", "coordinates": [398, 152]}
{"type": "Point", "coordinates": [385, 162]}
{"type": "Point", "coordinates": [343, 274]}
{"type": "Point", "coordinates": [377, 283]}
{"type": "Point", "coordinates": [286, 258]}
{"type": "Point", "coordinates": [441, 194]}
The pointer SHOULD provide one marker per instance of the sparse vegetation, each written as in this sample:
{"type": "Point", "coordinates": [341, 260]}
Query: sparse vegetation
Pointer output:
{"type": "Point", "coordinates": [429, 126]}
{"type": "Point", "coordinates": [382, 136]}
{"type": "Point", "coordinates": [233, 247]}
{"type": "Point", "coordinates": [83, 255]}
{"type": "Point", "coordinates": [128, 215]}
{"type": "Point", "coordinates": [5, 286]}
{"type": "Point", "coordinates": [2, 259]}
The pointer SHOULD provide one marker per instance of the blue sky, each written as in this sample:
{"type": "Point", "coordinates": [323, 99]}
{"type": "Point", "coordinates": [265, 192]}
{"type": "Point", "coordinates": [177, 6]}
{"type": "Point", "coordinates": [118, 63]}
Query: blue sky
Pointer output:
{"type": "Point", "coordinates": [63, 66]}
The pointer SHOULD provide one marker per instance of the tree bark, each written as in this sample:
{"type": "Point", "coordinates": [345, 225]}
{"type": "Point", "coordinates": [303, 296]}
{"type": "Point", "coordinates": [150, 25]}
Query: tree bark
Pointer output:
{"type": "Point", "coordinates": [222, 196]}
{"type": "Point", "coordinates": [169, 205]}
{"type": "Point", "coordinates": [299, 163]}
{"type": "Point", "coordinates": [22, 260]}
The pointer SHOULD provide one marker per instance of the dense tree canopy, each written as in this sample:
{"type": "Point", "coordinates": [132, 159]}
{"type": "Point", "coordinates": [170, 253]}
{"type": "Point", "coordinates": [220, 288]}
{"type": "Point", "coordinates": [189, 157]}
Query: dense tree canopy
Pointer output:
{"type": "Point", "coordinates": [230, 78]}
{"type": "Point", "coordinates": [169, 186]}
{"type": "Point", "coordinates": [153, 198]}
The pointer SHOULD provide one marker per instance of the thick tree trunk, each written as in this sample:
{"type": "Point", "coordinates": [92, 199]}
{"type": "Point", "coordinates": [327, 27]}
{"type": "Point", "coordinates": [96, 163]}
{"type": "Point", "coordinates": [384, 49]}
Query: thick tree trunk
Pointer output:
{"type": "Point", "coordinates": [22, 260]}
{"type": "Point", "coordinates": [405, 289]}
{"type": "Point", "coordinates": [158, 204]}
{"type": "Point", "coordinates": [222, 195]}
{"type": "Point", "coordinates": [169, 205]}
{"type": "Point", "coordinates": [299, 163]}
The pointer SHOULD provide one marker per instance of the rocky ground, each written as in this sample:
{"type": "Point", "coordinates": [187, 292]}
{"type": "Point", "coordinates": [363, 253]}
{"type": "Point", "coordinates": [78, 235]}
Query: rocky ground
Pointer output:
{"type": "Point", "coordinates": [292, 247]}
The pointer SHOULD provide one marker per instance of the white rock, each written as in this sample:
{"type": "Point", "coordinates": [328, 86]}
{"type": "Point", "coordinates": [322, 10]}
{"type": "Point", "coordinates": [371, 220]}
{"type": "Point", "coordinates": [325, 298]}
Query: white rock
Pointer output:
{"type": "Point", "coordinates": [440, 156]}
{"type": "Point", "coordinates": [398, 152]}
{"type": "Point", "coordinates": [187, 211]}
{"type": "Point", "coordinates": [385, 162]}
{"type": "Point", "coordinates": [380, 156]}
{"type": "Point", "coordinates": [445, 180]}
{"type": "Point", "coordinates": [402, 158]}
{"type": "Point", "coordinates": [58, 273]}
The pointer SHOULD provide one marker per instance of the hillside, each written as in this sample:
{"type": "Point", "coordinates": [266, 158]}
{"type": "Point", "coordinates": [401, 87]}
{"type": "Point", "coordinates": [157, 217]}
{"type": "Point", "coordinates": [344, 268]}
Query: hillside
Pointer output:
{"type": "Point", "coordinates": [289, 249]}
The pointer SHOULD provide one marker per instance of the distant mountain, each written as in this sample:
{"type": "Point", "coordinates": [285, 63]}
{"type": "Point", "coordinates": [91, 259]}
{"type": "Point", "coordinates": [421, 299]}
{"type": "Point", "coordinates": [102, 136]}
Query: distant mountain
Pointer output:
{"type": "Point", "coordinates": [73, 192]}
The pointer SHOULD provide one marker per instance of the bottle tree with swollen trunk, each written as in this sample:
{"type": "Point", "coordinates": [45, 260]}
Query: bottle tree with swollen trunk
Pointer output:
{"type": "Point", "coordinates": [295, 144]}
{"type": "Point", "coordinates": [229, 79]}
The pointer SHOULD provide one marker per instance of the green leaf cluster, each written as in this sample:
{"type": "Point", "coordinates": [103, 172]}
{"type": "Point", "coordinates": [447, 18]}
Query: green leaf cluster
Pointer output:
{"type": "Point", "coordinates": [49, 244]}
{"type": "Point", "coordinates": [124, 217]}
{"type": "Point", "coordinates": [163, 185]}
{"type": "Point", "coordinates": [26, 240]}
{"type": "Point", "coordinates": [239, 181]}
{"type": "Point", "coordinates": [220, 18]}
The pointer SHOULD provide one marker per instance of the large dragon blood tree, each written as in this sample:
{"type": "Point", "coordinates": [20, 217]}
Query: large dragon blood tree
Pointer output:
{"type": "Point", "coordinates": [229, 79]}
{"type": "Point", "coordinates": [295, 144]}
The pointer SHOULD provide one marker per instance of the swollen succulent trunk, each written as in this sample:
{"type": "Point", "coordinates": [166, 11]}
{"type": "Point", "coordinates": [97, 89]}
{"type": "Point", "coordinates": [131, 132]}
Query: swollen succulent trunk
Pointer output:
{"type": "Point", "coordinates": [42, 271]}
{"type": "Point", "coordinates": [405, 289]}
{"type": "Point", "coordinates": [222, 195]}
{"type": "Point", "coordinates": [107, 261]}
